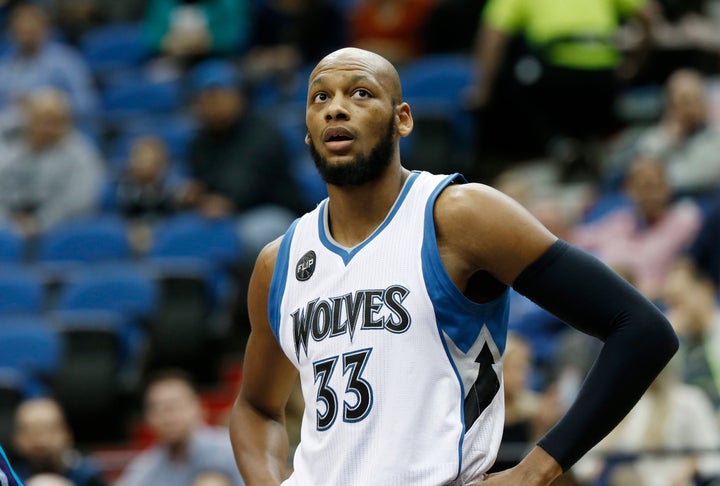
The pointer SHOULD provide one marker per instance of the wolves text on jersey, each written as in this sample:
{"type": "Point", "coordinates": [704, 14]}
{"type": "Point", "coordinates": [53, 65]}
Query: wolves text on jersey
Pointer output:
{"type": "Point", "coordinates": [363, 309]}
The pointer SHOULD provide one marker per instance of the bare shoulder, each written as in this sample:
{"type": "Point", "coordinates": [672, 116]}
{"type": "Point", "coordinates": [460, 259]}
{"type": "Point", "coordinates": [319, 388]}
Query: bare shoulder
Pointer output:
{"type": "Point", "coordinates": [260, 281]}
{"type": "Point", "coordinates": [265, 262]}
{"type": "Point", "coordinates": [489, 230]}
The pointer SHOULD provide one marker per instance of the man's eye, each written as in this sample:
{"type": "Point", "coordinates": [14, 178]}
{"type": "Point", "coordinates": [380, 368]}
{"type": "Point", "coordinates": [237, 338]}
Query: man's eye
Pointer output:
{"type": "Point", "coordinates": [319, 98]}
{"type": "Point", "coordinates": [361, 93]}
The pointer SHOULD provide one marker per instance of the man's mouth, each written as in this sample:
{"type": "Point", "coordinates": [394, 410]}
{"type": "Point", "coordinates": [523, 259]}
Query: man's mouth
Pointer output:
{"type": "Point", "coordinates": [338, 139]}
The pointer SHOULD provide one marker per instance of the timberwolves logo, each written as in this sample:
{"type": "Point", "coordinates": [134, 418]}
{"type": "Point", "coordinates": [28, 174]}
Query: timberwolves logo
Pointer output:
{"type": "Point", "coordinates": [305, 266]}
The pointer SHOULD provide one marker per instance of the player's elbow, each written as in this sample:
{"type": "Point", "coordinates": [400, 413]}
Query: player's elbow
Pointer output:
{"type": "Point", "coordinates": [654, 339]}
{"type": "Point", "coordinates": [666, 341]}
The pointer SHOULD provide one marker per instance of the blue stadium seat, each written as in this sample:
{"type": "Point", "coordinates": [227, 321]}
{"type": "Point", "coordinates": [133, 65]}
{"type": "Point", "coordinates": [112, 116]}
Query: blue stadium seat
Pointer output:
{"type": "Point", "coordinates": [11, 246]}
{"type": "Point", "coordinates": [22, 291]}
{"type": "Point", "coordinates": [193, 259]}
{"type": "Point", "coordinates": [124, 289]}
{"type": "Point", "coordinates": [140, 97]}
{"type": "Point", "coordinates": [189, 236]}
{"type": "Point", "coordinates": [31, 345]}
{"type": "Point", "coordinates": [435, 87]}
{"type": "Point", "coordinates": [83, 241]}
{"type": "Point", "coordinates": [114, 47]}
{"type": "Point", "coordinates": [313, 187]}
{"type": "Point", "coordinates": [290, 121]}
{"type": "Point", "coordinates": [103, 317]}
{"type": "Point", "coordinates": [443, 77]}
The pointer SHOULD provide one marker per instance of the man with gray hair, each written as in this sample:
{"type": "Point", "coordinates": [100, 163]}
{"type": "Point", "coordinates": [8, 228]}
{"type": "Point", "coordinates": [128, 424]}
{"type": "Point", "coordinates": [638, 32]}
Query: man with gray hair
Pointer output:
{"type": "Point", "coordinates": [50, 172]}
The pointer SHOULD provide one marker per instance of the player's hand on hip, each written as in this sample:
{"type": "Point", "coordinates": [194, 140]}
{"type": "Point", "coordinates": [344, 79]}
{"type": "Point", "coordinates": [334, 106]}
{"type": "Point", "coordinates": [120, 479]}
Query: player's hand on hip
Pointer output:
{"type": "Point", "coordinates": [538, 468]}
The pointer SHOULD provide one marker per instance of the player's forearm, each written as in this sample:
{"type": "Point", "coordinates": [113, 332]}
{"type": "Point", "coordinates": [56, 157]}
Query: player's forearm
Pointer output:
{"type": "Point", "coordinates": [638, 343]}
{"type": "Point", "coordinates": [260, 444]}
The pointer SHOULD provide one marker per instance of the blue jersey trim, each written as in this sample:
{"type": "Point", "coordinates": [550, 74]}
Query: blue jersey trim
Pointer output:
{"type": "Point", "coordinates": [8, 467]}
{"type": "Point", "coordinates": [456, 315]}
{"type": "Point", "coordinates": [279, 279]}
{"type": "Point", "coordinates": [348, 255]}
{"type": "Point", "coordinates": [453, 310]}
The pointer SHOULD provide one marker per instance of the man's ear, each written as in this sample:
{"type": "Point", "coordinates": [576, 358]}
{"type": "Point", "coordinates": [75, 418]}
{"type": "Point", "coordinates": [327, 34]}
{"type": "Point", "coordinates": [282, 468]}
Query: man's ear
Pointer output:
{"type": "Point", "coordinates": [307, 138]}
{"type": "Point", "coordinates": [404, 119]}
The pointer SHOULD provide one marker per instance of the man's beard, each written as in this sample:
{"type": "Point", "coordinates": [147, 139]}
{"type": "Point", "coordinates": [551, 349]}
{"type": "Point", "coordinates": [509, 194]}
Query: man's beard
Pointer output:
{"type": "Point", "coordinates": [361, 170]}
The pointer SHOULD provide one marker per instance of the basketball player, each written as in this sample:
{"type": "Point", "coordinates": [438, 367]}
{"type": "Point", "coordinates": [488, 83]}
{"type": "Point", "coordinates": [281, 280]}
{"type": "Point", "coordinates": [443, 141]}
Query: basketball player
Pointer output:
{"type": "Point", "coordinates": [390, 300]}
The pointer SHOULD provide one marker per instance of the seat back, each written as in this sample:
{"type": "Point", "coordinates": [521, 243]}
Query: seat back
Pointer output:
{"type": "Point", "coordinates": [113, 47]}
{"type": "Point", "coordinates": [11, 246]}
{"type": "Point", "coordinates": [22, 291]}
{"type": "Point", "coordinates": [90, 240]}
{"type": "Point", "coordinates": [435, 87]}
{"type": "Point", "coordinates": [31, 345]}
{"type": "Point", "coordinates": [126, 290]}
{"type": "Point", "coordinates": [190, 236]}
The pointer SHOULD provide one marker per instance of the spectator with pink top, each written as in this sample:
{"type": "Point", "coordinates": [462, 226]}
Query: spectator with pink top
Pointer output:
{"type": "Point", "coordinates": [643, 238]}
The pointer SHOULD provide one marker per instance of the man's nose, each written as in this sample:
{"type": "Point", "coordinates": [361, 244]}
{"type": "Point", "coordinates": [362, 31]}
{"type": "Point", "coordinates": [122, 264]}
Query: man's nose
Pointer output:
{"type": "Point", "coordinates": [337, 109]}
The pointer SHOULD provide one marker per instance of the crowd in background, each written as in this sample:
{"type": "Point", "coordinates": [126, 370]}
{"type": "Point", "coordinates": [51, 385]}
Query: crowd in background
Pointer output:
{"type": "Point", "coordinates": [599, 116]}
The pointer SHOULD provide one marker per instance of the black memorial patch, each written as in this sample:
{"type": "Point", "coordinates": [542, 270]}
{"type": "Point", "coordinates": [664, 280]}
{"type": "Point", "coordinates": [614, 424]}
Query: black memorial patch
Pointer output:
{"type": "Point", "coordinates": [305, 267]}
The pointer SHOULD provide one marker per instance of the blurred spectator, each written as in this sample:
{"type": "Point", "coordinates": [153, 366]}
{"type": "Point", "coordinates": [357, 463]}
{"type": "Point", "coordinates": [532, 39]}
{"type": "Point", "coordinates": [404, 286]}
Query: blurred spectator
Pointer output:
{"type": "Point", "coordinates": [565, 79]}
{"type": "Point", "coordinates": [665, 440]}
{"type": "Point", "coordinates": [693, 310]}
{"type": "Point", "coordinates": [643, 238]}
{"type": "Point", "coordinates": [392, 28]}
{"type": "Point", "coordinates": [212, 478]}
{"type": "Point", "coordinates": [521, 404]}
{"type": "Point", "coordinates": [145, 188]}
{"type": "Point", "coordinates": [289, 35]}
{"type": "Point", "coordinates": [238, 163]}
{"type": "Point", "coordinates": [186, 445]}
{"type": "Point", "coordinates": [684, 137]}
{"type": "Point", "coordinates": [35, 61]}
{"type": "Point", "coordinates": [146, 191]}
{"type": "Point", "coordinates": [43, 444]}
{"type": "Point", "coordinates": [51, 173]}
{"type": "Point", "coordinates": [48, 480]}
{"type": "Point", "coordinates": [189, 30]}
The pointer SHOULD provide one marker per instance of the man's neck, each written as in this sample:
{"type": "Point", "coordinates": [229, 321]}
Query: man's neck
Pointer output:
{"type": "Point", "coordinates": [355, 212]}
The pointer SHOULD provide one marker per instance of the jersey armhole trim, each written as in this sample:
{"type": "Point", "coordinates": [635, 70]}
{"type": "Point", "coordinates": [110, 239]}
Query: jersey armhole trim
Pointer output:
{"type": "Point", "coordinates": [279, 278]}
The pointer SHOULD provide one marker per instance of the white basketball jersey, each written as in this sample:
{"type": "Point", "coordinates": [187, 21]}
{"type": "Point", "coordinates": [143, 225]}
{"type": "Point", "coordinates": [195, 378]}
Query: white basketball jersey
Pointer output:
{"type": "Point", "coordinates": [401, 373]}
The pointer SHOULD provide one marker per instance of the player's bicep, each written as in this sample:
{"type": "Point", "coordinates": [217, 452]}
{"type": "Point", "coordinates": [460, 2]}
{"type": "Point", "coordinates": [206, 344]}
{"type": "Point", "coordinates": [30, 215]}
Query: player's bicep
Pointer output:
{"type": "Point", "coordinates": [489, 230]}
{"type": "Point", "coordinates": [268, 376]}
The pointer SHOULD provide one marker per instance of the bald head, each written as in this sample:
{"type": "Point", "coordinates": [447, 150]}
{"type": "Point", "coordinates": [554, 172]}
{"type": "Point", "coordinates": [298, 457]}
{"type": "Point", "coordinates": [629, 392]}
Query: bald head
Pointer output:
{"type": "Point", "coordinates": [48, 117]}
{"type": "Point", "coordinates": [41, 433]}
{"type": "Point", "coordinates": [49, 100]}
{"type": "Point", "coordinates": [48, 480]}
{"type": "Point", "coordinates": [683, 79]}
{"type": "Point", "coordinates": [45, 409]}
{"type": "Point", "coordinates": [686, 99]}
{"type": "Point", "coordinates": [351, 58]}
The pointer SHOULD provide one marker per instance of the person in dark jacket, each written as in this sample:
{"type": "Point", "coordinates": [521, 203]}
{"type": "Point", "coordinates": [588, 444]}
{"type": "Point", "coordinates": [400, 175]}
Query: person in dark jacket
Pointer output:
{"type": "Point", "coordinates": [238, 164]}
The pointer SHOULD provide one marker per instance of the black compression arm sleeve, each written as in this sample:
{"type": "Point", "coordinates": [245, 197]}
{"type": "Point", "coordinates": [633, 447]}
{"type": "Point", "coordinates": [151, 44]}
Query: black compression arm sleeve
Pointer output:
{"type": "Point", "coordinates": [638, 342]}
